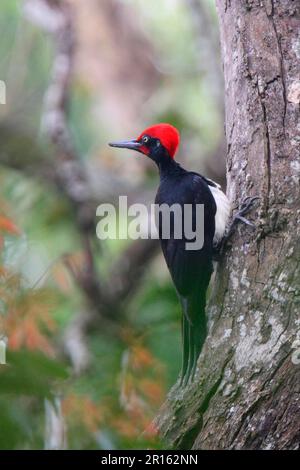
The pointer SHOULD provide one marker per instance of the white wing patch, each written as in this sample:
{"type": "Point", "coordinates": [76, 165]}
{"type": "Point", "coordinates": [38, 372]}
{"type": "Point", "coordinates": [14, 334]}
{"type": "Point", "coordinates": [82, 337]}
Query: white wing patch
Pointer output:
{"type": "Point", "coordinates": [223, 212]}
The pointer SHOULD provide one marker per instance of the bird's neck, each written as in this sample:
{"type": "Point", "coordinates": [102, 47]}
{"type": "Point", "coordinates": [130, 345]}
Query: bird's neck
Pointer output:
{"type": "Point", "coordinates": [168, 167]}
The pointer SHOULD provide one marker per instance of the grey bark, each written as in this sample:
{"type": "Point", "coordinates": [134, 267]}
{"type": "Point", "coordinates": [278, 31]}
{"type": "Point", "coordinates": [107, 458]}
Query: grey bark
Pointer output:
{"type": "Point", "coordinates": [246, 392]}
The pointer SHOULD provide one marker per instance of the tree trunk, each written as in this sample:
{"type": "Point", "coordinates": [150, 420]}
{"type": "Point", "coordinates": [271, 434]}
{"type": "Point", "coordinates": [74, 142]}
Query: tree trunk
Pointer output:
{"type": "Point", "coordinates": [246, 392]}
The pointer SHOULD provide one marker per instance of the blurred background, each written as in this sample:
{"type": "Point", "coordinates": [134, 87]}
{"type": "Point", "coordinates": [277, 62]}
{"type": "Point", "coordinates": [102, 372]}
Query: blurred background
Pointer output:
{"type": "Point", "coordinates": [93, 328]}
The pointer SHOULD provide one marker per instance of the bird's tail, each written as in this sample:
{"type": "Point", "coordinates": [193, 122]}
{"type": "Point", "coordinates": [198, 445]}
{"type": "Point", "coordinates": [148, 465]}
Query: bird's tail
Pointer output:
{"type": "Point", "coordinates": [194, 332]}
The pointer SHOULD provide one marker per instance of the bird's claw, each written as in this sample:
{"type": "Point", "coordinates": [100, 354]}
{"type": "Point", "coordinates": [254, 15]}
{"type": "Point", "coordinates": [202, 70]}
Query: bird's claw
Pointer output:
{"type": "Point", "coordinates": [245, 221]}
{"type": "Point", "coordinates": [247, 205]}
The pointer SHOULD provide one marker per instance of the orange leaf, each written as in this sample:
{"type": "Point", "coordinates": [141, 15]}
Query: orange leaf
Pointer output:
{"type": "Point", "coordinates": [152, 390]}
{"type": "Point", "coordinates": [62, 278]}
{"type": "Point", "coordinates": [29, 320]}
{"type": "Point", "coordinates": [7, 226]}
{"type": "Point", "coordinates": [82, 410]}
{"type": "Point", "coordinates": [141, 357]}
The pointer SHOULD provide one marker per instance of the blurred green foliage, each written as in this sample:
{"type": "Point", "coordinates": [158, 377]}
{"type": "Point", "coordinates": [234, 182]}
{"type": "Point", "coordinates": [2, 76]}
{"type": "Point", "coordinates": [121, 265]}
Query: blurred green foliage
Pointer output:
{"type": "Point", "coordinates": [25, 381]}
{"type": "Point", "coordinates": [108, 405]}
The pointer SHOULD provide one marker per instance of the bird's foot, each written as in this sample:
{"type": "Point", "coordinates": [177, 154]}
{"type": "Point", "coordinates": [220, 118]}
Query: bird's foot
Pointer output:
{"type": "Point", "coordinates": [246, 206]}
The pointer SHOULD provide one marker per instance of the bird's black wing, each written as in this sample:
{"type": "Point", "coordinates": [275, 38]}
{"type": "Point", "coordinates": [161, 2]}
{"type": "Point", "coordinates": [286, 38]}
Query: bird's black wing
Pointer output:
{"type": "Point", "coordinates": [186, 265]}
{"type": "Point", "coordinates": [191, 269]}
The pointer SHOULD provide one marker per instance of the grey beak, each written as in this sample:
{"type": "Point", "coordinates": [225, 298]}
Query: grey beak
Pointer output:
{"type": "Point", "coordinates": [129, 144]}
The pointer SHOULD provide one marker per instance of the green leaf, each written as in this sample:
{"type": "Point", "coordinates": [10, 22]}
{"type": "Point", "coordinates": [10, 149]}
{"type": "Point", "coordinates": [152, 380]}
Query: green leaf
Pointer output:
{"type": "Point", "coordinates": [30, 373]}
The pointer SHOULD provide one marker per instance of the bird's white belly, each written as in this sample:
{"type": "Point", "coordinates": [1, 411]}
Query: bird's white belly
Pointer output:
{"type": "Point", "coordinates": [222, 214]}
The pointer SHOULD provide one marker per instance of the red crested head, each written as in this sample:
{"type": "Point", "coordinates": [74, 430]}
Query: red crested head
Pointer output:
{"type": "Point", "coordinates": [167, 135]}
{"type": "Point", "coordinates": [152, 140]}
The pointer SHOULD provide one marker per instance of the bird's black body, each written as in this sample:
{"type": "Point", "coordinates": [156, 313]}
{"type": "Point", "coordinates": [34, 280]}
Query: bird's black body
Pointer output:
{"type": "Point", "coordinates": [190, 269]}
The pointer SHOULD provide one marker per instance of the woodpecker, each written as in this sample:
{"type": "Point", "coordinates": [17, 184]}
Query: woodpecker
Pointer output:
{"type": "Point", "coordinates": [190, 270]}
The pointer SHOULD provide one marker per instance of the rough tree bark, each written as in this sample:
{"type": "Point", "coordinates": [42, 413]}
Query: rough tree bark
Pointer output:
{"type": "Point", "coordinates": [246, 393]}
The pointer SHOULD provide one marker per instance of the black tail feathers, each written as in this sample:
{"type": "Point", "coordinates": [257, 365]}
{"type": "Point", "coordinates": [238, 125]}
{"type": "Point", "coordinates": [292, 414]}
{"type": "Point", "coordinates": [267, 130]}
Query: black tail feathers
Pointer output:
{"type": "Point", "coordinates": [194, 332]}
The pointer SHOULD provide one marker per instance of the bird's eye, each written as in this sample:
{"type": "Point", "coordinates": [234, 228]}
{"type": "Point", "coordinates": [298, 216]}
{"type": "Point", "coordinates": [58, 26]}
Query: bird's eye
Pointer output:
{"type": "Point", "coordinates": [157, 143]}
{"type": "Point", "coordinates": [145, 139]}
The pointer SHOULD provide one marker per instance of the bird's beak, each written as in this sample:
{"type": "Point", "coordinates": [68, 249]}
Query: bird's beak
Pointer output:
{"type": "Point", "coordinates": [129, 144]}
